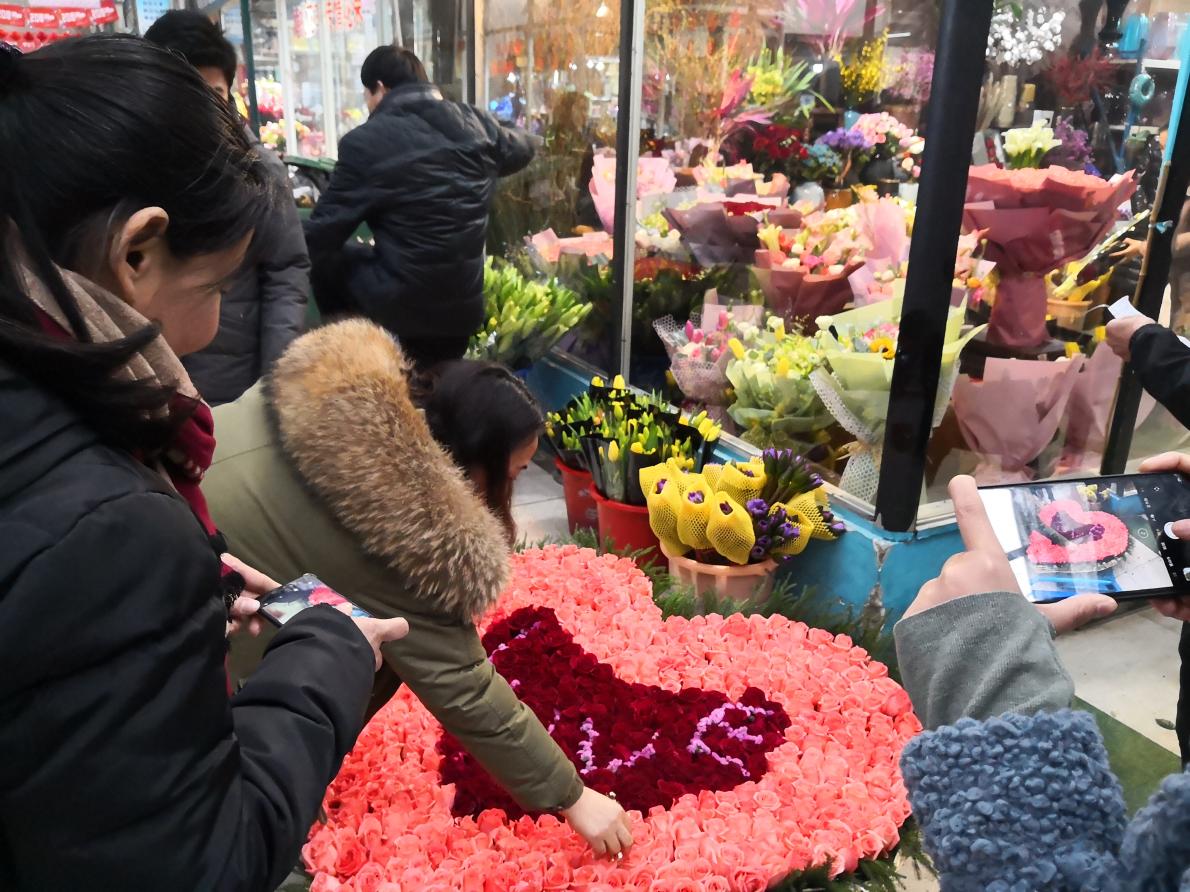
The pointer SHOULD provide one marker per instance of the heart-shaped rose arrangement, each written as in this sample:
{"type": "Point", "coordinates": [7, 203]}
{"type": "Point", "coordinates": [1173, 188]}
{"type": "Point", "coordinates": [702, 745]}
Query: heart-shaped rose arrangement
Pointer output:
{"type": "Point", "coordinates": [1081, 537]}
{"type": "Point", "coordinates": [779, 747]}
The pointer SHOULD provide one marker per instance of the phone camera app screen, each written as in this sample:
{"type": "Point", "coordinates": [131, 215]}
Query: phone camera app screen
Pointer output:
{"type": "Point", "coordinates": [1107, 536]}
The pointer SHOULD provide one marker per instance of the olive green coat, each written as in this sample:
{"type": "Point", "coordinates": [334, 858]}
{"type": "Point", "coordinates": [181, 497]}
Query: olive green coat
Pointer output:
{"type": "Point", "coordinates": [328, 468]}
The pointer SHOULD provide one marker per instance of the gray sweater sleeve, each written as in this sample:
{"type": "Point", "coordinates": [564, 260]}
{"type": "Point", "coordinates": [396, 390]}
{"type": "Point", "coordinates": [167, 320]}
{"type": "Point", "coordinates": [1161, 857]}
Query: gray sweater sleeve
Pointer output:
{"type": "Point", "coordinates": [952, 668]}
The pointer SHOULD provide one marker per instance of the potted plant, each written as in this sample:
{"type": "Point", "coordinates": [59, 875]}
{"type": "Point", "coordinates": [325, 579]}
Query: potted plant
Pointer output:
{"type": "Point", "coordinates": [820, 165]}
{"type": "Point", "coordinates": [726, 528]}
{"type": "Point", "coordinates": [854, 150]}
{"type": "Point", "coordinates": [628, 432]}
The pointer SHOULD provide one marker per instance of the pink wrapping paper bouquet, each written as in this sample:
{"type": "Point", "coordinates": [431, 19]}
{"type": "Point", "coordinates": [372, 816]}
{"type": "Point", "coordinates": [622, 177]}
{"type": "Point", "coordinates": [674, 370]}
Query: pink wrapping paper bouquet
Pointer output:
{"type": "Point", "coordinates": [1034, 221]}
{"type": "Point", "coordinates": [832, 792]}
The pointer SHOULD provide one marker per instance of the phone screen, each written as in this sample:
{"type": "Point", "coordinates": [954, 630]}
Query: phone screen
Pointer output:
{"type": "Point", "coordinates": [284, 603]}
{"type": "Point", "coordinates": [1101, 535]}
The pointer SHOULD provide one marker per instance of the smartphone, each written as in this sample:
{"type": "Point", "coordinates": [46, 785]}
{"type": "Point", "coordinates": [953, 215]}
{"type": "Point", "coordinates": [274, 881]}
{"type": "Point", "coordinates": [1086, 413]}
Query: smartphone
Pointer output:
{"type": "Point", "coordinates": [1098, 535]}
{"type": "Point", "coordinates": [282, 604]}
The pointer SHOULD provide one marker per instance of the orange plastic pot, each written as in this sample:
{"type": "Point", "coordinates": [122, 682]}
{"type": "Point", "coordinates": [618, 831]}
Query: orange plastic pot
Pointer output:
{"type": "Point", "coordinates": [627, 528]}
{"type": "Point", "coordinates": [579, 492]}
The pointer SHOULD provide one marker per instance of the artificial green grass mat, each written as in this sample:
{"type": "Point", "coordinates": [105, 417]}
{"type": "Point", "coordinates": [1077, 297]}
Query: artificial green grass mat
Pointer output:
{"type": "Point", "coordinates": [1138, 762]}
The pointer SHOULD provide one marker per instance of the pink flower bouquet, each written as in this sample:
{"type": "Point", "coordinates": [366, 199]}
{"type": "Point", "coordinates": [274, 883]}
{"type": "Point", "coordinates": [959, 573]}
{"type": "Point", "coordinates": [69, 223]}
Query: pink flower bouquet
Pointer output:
{"type": "Point", "coordinates": [698, 351]}
{"type": "Point", "coordinates": [654, 176]}
{"type": "Point", "coordinates": [824, 790]}
{"type": "Point", "coordinates": [1035, 221]}
{"type": "Point", "coordinates": [1011, 416]}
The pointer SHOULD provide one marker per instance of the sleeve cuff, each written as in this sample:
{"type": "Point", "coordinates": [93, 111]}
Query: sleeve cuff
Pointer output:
{"type": "Point", "coordinates": [980, 656]}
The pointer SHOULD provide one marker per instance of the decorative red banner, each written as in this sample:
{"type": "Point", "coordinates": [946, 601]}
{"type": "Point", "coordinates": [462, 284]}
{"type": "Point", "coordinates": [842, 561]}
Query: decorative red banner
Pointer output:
{"type": "Point", "coordinates": [105, 15]}
{"type": "Point", "coordinates": [75, 18]}
{"type": "Point", "coordinates": [13, 16]}
{"type": "Point", "coordinates": [43, 18]}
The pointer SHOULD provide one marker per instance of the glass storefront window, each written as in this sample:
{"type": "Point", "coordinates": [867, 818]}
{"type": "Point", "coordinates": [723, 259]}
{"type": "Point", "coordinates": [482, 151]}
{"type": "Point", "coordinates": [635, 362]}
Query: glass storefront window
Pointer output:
{"type": "Point", "coordinates": [760, 187]}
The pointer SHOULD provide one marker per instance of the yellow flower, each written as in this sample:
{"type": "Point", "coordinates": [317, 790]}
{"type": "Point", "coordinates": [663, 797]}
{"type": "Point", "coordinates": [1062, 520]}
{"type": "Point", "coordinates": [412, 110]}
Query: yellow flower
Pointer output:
{"type": "Point", "coordinates": [618, 382]}
{"type": "Point", "coordinates": [737, 348]}
{"type": "Point", "coordinates": [886, 347]}
{"type": "Point", "coordinates": [613, 451]}
{"type": "Point", "coordinates": [770, 237]}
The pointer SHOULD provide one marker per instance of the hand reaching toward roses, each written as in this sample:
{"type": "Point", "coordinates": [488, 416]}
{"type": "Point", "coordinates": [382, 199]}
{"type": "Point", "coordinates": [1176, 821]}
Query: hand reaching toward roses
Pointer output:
{"type": "Point", "coordinates": [601, 822]}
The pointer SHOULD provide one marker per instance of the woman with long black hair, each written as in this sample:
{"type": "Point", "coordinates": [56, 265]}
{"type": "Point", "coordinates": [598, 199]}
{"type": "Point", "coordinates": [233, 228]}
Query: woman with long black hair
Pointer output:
{"type": "Point", "coordinates": [128, 196]}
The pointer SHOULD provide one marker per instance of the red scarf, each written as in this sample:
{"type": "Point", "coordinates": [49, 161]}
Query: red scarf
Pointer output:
{"type": "Point", "coordinates": [188, 456]}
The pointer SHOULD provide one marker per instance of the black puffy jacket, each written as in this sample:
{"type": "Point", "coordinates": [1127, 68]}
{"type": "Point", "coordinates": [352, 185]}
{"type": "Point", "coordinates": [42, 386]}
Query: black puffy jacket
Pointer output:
{"type": "Point", "coordinates": [264, 308]}
{"type": "Point", "coordinates": [421, 173]}
{"type": "Point", "coordinates": [123, 763]}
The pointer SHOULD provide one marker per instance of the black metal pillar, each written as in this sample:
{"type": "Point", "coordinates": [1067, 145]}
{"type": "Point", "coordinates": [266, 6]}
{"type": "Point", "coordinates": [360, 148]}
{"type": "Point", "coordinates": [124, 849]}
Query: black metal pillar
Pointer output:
{"type": "Point", "coordinates": [1150, 291]}
{"type": "Point", "coordinates": [954, 100]}
{"type": "Point", "coordinates": [627, 152]}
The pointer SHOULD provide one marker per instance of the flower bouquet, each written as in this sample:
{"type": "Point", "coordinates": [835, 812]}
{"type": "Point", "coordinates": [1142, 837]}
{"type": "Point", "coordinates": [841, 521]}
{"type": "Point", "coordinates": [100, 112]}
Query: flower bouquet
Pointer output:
{"type": "Point", "coordinates": [853, 148]}
{"type": "Point", "coordinates": [654, 176]}
{"type": "Point", "coordinates": [739, 513]}
{"type": "Point", "coordinates": [719, 229]}
{"type": "Point", "coordinates": [1014, 413]}
{"type": "Point", "coordinates": [803, 272]}
{"type": "Point", "coordinates": [1027, 146]}
{"type": "Point", "coordinates": [859, 347]}
{"type": "Point", "coordinates": [775, 403]}
{"type": "Point", "coordinates": [698, 351]}
{"type": "Point", "coordinates": [546, 249]}
{"type": "Point", "coordinates": [524, 319]}
{"type": "Point", "coordinates": [1034, 221]}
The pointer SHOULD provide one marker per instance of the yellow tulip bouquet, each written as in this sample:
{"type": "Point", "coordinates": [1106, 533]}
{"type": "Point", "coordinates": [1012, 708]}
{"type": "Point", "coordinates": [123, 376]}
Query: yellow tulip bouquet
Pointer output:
{"type": "Point", "coordinates": [615, 433]}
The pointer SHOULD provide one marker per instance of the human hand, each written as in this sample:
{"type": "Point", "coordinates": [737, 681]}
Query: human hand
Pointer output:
{"type": "Point", "coordinates": [1129, 248]}
{"type": "Point", "coordinates": [1120, 332]}
{"type": "Point", "coordinates": [983, 567]}
{"type": "Point", "coordinates": [1165, 463]}
{"type": "Point", "coordinates": [381, 631]}
{"type": "Point", "coordinates": [1171, 462]}
{"type": "Point", "coordinates": [601, 822]}
{"type": "Point", "coordinates": [243, 611]}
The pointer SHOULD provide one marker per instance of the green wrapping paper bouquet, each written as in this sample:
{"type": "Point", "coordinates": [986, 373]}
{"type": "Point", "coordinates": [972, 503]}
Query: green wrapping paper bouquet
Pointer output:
{"type": "Point", "coordinates": [775, 403]}
{"type": "Point", "coordinates": [858, 348]}
{"type": "Point", "coordinates": [615, 433]}
{"type": "Point", "coordinates": [525, 319]}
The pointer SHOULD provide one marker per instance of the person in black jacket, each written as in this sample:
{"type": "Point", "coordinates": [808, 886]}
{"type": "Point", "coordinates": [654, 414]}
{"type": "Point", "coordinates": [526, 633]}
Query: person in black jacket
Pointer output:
{"type": "Point", "coordinates": [264, 306]}
{"type": "Point", "coordinates": [124, 763]}
{"type": "Point", "coordinates": [420, 172]}
{"type": "Point", "coordinates": [1160, 359]}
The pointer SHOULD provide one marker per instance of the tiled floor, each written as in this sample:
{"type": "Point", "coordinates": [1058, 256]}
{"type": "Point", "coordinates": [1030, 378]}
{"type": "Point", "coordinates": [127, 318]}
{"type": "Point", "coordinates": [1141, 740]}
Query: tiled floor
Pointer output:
{"type": "Point", "coordinates": [538, 507]}
{"type": "Point", "coordinates": [1126, 667]}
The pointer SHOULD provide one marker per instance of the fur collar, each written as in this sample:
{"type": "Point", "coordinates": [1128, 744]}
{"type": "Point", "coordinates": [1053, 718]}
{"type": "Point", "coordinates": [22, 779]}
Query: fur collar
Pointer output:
{"type": "Point", "coordinates": [340, 399]}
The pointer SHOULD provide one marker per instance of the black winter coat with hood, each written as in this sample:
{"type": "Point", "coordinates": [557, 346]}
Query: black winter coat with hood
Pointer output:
{"type": "Point", "coordinates": [421, 173]}
{"type": "Point", "coordinates": [123, 762]}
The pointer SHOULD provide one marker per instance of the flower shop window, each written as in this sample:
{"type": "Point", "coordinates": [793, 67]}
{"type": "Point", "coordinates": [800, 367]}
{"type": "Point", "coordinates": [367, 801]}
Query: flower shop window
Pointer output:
{"type": "Point", "coordinates": [553, 70]}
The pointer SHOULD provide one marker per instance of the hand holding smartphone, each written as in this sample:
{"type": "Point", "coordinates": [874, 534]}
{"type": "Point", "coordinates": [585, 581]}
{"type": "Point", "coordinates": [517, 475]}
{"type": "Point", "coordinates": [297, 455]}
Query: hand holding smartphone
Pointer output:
{"type": "Point", "coordinates": [1102, 535]}
{"type": "Point", "coordinates": [284, 603]}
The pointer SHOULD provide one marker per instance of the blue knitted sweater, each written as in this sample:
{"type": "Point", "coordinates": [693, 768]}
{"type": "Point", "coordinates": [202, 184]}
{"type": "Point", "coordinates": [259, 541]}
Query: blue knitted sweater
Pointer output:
{"type": "Point", "coordinates": [1024, 803]}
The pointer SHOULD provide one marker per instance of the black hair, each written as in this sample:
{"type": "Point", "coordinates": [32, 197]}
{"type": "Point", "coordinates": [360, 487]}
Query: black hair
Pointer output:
{"type": "Point", "coordinates": [92, 130]}
{"type": "Point", "coordinates": [480, 412]}
{"type": "Point", "coordinates": [197, 39]}
{"type": "Point", "coordinates": [392, 66]}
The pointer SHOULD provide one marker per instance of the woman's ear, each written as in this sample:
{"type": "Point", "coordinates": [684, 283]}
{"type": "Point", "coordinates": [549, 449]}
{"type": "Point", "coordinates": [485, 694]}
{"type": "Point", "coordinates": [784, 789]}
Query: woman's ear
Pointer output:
{"type": "Point", "coordinates": [138, 256]}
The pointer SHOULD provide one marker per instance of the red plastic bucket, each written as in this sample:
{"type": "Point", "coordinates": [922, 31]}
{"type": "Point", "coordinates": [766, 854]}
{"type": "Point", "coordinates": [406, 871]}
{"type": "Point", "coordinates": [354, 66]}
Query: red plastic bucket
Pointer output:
{"type": "Point", "coordinates": [580, 497]}
{"type": "Point", "coordinates": [627, 528]}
